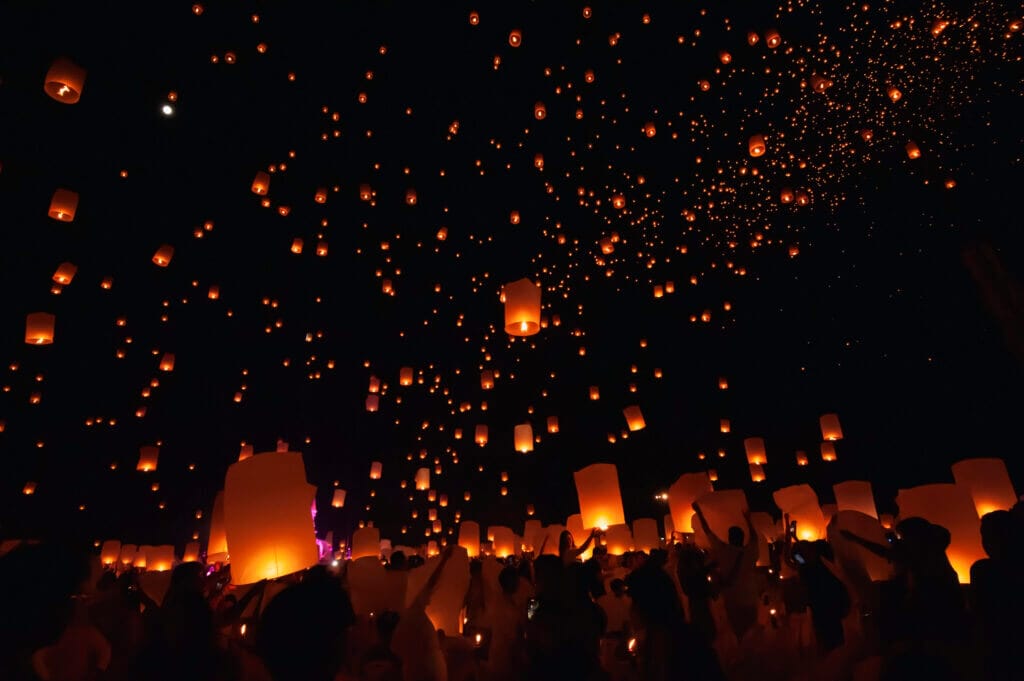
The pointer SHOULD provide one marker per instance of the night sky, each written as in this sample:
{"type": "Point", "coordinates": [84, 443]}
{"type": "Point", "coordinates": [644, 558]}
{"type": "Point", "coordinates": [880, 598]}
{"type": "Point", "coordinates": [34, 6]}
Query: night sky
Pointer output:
{"type": "Point", "coordinates": [860, 303]}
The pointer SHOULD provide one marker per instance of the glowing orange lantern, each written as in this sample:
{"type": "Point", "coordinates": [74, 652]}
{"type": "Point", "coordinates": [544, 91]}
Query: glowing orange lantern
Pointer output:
{"type": "Point", "coordinates": [372, 402]}
{"type": "Point", "coordinates": [988, 484]}
{"type": "Point", "coordinates": [597, 487]}
{"type": "Point", "coordinates": [148, 456]}
{"type": "Point", "coordinates": [634, 418]}
{"type": "Point", "coordinates": [261, 183]}
{"type": "Point", "coordinates": [217, 546]}
{"type": "Point", "coordinates": [801, 458]}
{"type": "Point", "coordinates": [486, 379]}
{"type": "Point", "coordinates": [480, 435]}
{"type": "Point", "coordinates": [110, 551]}
{"type": "Point", "coordinates": [724, 426]}
{"type": "Point", "coordinates": [951, 507]}
{"type": "Point", "coordinates": [552, 424]}
{"type": "Point", "coordinates": [772, 38]}
{"type": "Point", "coordinates": [754, 447]}
{"type": "Point", "coordinates": [191, 553]}
{"type": "Point", "coordinates": [366, 543]}
{"type": "Point", "coordinates": [405, 376]}
{"type": "Point", "coordinates": [422, 479]}
{"type": "Point", "coordinates": [39, 328]}
{"type": "Point", "coordinates": [375, 470]}
{"type": "Point", "coordinates": [595, 392]}
{"type": "Point", "coordinates": [515, 37]}
{"type": "Point", "coordinates": [894, 94]}
{"type": "Point", "coordinates": [756, 145]}
{"type": "Point", "coordinates": [830, 428]}
{"type": "Point", "coordinates": [540, 112]}
{"type": "Point", "coordinates": [913, 151]}
{"type": "Point", "coordinates": [786, 195]}
{"type": "Point", "coordinates": [167, 362]}
{"type": "Point", "coordinates": [522, 308]}
{"type": "Point", "coordinates": [855, 495]}
{"type": "Point", "coordinates": [63, 205]}
{"type": "Point", "coordinates": [801, 504]}
{"type": "Point", "coordinates": [64, 81]}
{"type": "Point", "coordinates": [65, 273]}
{"type": "Point", "coordinates": [469, 538]}
{"type": "Point", "coordinates": [524, 438]}
{"type": "Point", "coordinates": [828, 451]}
{"type": "Point", "coordinates": [756, 472]}
{"type": "Point", "coordinates": [163, 255]}
{"type": "Point", "coordinates": [338, 498]}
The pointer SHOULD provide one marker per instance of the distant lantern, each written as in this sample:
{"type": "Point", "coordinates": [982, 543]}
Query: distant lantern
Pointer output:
{"type": "Point", "coordinates": [828, 451]}
{"type": "Point", "coordinates": [167, 362]}
{"type": "Point", "coordinates": [801, 503]}
{"type": "Point", "coordinates": [724, 426]}
{"type": "Point", "coordinates": [756, 145]}
{"type": "Point", "coordinates": [724, 57]}
{"type": "Point", "coordinates": [681, 495]}
{"type": "Point", "coordinates": [522, 308]}
{"type": "Point", "coordinates": [39, 328]}
{"type": "Point", "coordinates": [950, 506]}
{"type": "Point", "coordinates": [524, 438]}
{"type": "Point", "coordinates": [148, 457]}
{"type": "Point", "coordinates": [486, 379]}
{"type": "Point", "coordinates": [830, 429]}
{"type": "Point", "coordinates": [540, 112]}
{"type": "Point", "coordinates": [261, 183]}
{"type": "Point", "coordinates": [895, 94]}
{"type": "Point", "coordinates": [469, 538]}
{"type": "Point", "coordinates": [410, 197]}
{"type": "Point", "coordinates": [163, 256]}
{"type": "Point", "coordinates": [855, 495]}
{"type": "Point", "coordinates": [607, 247]}
{"type": "Point", "coordinates": [595, 392]}
{"type": "Point", "coordinates": [296, 246]}
{"type": "Point", "coordinates": [375, 470]}
{"type": "Point", "coordinates": [634, 418]}
{"type": "Point", "coordinates": [619, 201]}
{"type": "Point", "coordinates": [191, 552]}
{"type": "Point", "coordinates": [29, 489]}
{"type": "Point", "coordinates": [503, 541]}
{"type": "Point", "coordinates": [513, 217]}
{"type": "Point", "coordinates": [756, 472]}
{"type": "Point", "coordinates": [63, 205]}
{"type": "Point", "coordinates": [268, 518]}
{"type": "Point", "coordinates": [474, 19]}
{"type": "Point", "coordinates": [913, 151]}
{"type": "Point", "coordinates": [772, 38]}
{"type": "Point", "coordinates": [442, 234]}
{"type": "Point", "coordinates": [159, 558]}
{"type": "Point", "coordinates": [786, 195]}
{"type": "Point", "coordinates": [659, 291]}
{"type": "Point", "coordinates": [244, 452]}
{"type": "Point", "coordinates": [321, 195]}
{"type": "Point", "coordinates": [597, 488]}
{"type": "Point", "coordinates": [64, 81]}
{"type": "Point", "coordinates": [372, 402]}
{"type": "Point", "coordinates": [422, 479]}
{"type": "Point", "coordinates": [650, 130]}
{"type": "Point", "coordinates": [752, 38]}
{"type": "Point", "coordinates": [988, 483]}
{"type": "Point", "coordinates": [405, 376]}
{"type": "Point", "coordinates": [110, 551]}
{"type": "Point", "coordinates": [723, 383]}
{"type": "Point", "coordinates": [214, 292]}
{"type": "Point", "coordinates": [754, 446]}
{"type": "Point", "coordinates": [538, 161]}
{"type": "Point", "coordinates": [515, 37]}
{"type": "Point", "coordinates": [338, 499]}
{"type": "Point", "coordinates": [801, 458]}
{"type": "Point", "coordinates": [374, 385]}
{"type": "Point", "coordinates": [552, 424]}
{"type": "Point", "coordinates": [480, 435]}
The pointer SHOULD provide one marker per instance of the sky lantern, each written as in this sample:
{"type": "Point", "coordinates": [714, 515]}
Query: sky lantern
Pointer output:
{"type": "Point", "coordinates": [261, 183]}
{"type": "Point", "coordinates": [321, 195]}
{"type": "Point", "coordinates": [159, 558]}
{"type": "Point", "coordinates": [855, 495]}
{"type": "Point", "coordinates": [338, 498]}
{"type": "Point", "coordinates": [772, 38]}
{"type": "Point", "coordinates": [486, 379]}
{"type": "Point", "coordinates": [191, 553]}
{"type": "Point", "coordinates": [127, 554]}
{"type": "Point", "coordinates": [756, 145]}
{"type": "Point", "coordinates": [515, 37]}
{"type": "Point", "coordinates": [595, 392]}
{"type": "Point", "coordinates": [65, 273]}
{"type": "Point", "coordinates": [756, 472]}
{"type": "Point", "coordinates": [722, 509]}
{"type": "Point", "coordinates": [645, 535]}
{"type": "Point", "coordinates": [374, 385]}
{"type": "Point", "coordinates": [148, 456]}
{"type": "Point", "coordinates": [422, 479]}
{"type": "Point", "coordinates": [752, 38]}
{"type": "Point", "coordinates": [29, 488]}
{"type": "Point", "coordinates": [894, 94]}
{"type": "Point", "coordinates": [786, 195]}
{"type": "Point", "coordinates": [607, 246]}
{"type": "Point", "coordinates": [244, 452]}
{"type": "Point", "coordinates": [987, 482]}
{"type": "Point", "coordinates": [951, 506]}
{"type": "Point", "coordinates": [618, 539]}
{"type": "Point", "coordinates": [828, 451]}
{"type": "Point", "coordinates": [513, 217]}
{"type": "Point", "coordinates": [830, 428]}
{"type": "Point", "coordinates": [63, 205]}
{"type": "Point", "coordinates": [474, 18]}
{"type": "Point", "coordinates": [634, 418]}
{"type": "Point", "coordinates": [110, 551]}
{"type": "Point", "coordinates": [681, 495]}
{"type": "Point", "coordinates": [64, 81]}
{"type": "Point", "coordinates": [597, 488]}
{"type": "Point", "coordinates": [619, 201]}
{"type": "Point", "coordinates": [372, 402]}
{"type": "Point", "coordinates": [754, 447]}
{"type": "Point", "coordinates": [724, 426]}
{"type": "Point", "coordinates": [410, 197]}
{"type": "Point", "coordinates": [375, 470]}
{"type": "Point", "coordinates": [163, 255]}
{"type": "Point", "coordinates": [524, 438]}
{"type": "Point", "coordinates": [214, 292]}
{"type": "Point", "coordinates": [503, 541]}
{"type": "Point", "coordinates": [480, 434]}
{"type": "Point", "coordinates": [167, 362]}
{"type": "Point", "coordinates": [540, 112]}
{"type": "Point", "coordinates": [269, 526]}
{"type": "Point", "coordinates": [913, 151]}
{"type": "Point", "coordinates": [801, 503]}
{"type": "Point", "coordinates": [552, 424]}
{"type": "Point", "coordinates": [217, 546]}
{"type": "Point", "coordinates": [405, 376]}
{"type": "Point", "coordinates": [366, 543]}
{"type": "Point", "coordinates": [39, 328]}
{"type": "Point", "coordinates": [522, 307]}
{"type": "Point", "coordinates": [469, 538]}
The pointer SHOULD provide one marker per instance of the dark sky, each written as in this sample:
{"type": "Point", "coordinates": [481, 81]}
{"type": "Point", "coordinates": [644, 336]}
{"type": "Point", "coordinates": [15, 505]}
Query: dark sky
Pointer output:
{"type": "Point", "coordinates": [877, 318]}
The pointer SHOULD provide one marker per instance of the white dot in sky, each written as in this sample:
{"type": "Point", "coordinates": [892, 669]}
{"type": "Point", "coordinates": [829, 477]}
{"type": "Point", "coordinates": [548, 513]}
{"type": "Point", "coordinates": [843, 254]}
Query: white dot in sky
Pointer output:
{"type": "Point", "coordinates": [167, 109]}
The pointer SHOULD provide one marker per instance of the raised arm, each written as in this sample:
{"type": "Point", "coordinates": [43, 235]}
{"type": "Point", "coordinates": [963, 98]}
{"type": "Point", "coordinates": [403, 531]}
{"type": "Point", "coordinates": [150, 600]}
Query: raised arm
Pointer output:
{"type": "Point", "coordinates": [423, 597]}
{"type": "Point", "coordinates": [877, 549]}
{"type": "Point", "coordinates": [577, 552]}
{"type": "Point", "coordinates": [704, 524]}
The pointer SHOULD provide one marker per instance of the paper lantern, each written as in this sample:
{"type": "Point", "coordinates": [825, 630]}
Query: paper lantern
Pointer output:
{"type": "Point", "coordinates": [127, 554]}
{"type": "Point", "coordinates": [486, 379]}
{"type": "Point", "coordinates": [261, 183]}
{"type": "Point", "coordinates": [634, 418]}
{"type": "Point", "coordinates": [167, 362]}
{"type": "Point", "coordinates": [522, 308]}
{"type": "Point", "coordinates": [374, 385]}
{"type": "Point", "coordinates": [772, 38]}
{"type": "Point", "coordinates": [540, 112]}
{"type": "Point", "coordinates": [597, 487]}
{"type": "Point", "coordinates": [422, 479]}
{"type": "Point", "coordinates": [191, 553]}
{"type": "Point", "coordinates": [39, 328]}
{"type": "Point", "coordinates": [163, 255]}
{"type": "Point", "coordinates": [645, 535]}
{"type": "Point", "coordinates": [988, 483]}
{"type": "Point", "coordinates": [524, 438]}
{"type": "Point", "coordinates": [366, 543]}
{"type": "Point", "coordinates": [552, 424]}
{"type": "Point", "coordinates": [63, 205]}
{"type": "Point", "coordinates": [894, 94]}
{"type": "Point", "coordinates": [830, 429]}
{"type": "Point", "coordinates": [64, 81]}
{"type": "Point", "coordinates": [65, 273]}
{"type": "Point", "coordinates": [375, 470]}
{"type": "Point", "coordinates": [372, 402]}
{"type": "Point", "coordinates": [681, 495]}
{"type": "Point", "coordinates": [217, 546]}
{"type": "Point", "coordinates": [857, 562]}
{"type": "Point", "coordinates": [405, 376]}
{"type": "Point", "coordinates": [786, 195]}
{"type": "Point", "coordinates": [754, 446]}
{"type": "Point", "coordinates": [282, 446]}
{"type": "Point", "coordinates": [338, 499]}
{"type": "Point", "coordinates": [110, 551]}
{"type": "Point", "coordinates": [469, 538]}
{"type": "Point", "coordinates": [724, 426]}
{"type": "Point", "coordinates": [951, 506]}
{"type": "Point", "coordinates": [503, 541]}
{"type": "Point", "coordinates": [297, 245]}
{"type": "Point", "coordinates": [533, 535]}
{"type": "Point", "coordinates": [618, 539]}
{"type": "Point", "coordinates": [159, 558]}
{"type": "Point", "coordinates": [801, 458]}
{"type": "Point", "coordinates": [828, 451]}
{"type": "Point", "coordinates": [855, 495]}
{"type": "Point", "coordinates": [267, 516]}
{"type": "Point", "coordinates": [913, 151]}
{"type": "Point", "coordinates": [148, 456]}
{"type": "Point", "coordinates": [801, 503]}
{"type": "Point", "coordinates": [515, 37]}
{"type": "Point", "coordinates": [480, 435]}
{"type": "Point", "coordinates": [756, 472]}
{"type": "Point", "coordinates": [722, 509]}
{"type": "Point", "coordinates": [756, 145]}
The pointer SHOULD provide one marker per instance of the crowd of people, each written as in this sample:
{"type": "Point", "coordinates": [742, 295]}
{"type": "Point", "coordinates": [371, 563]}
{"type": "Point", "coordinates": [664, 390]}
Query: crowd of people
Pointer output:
{"type": "Point", "coordinates": [681, 612]}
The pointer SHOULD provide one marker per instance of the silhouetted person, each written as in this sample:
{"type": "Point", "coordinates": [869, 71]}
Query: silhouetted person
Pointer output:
{"type": "Point", "coordinates": [998, 586]}
{"type": "Point", "coordinates": [694, 580]}
{"type": "Point", "coordinates": [737, 562]}
{"type": "Point", "coordinates": [826, 595]}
